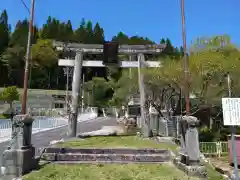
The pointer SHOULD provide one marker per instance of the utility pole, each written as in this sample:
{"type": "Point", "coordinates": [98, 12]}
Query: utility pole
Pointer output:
{"type": "Point", "coordinates": [28, 55]}
{"type": "Point", "coordinates": [185, 58]}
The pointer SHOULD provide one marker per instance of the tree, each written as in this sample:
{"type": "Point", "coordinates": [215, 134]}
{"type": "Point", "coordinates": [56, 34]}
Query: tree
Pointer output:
{"type": "Point", "coordinates": [13, 59]}
{"type": "Point", "coordinates": [43, 55]}
{"type": "Point", "coordinates": [100, 92]}
{"type": "Point", "coordinates": [4, 31]}
{"type": "Point", "coordinates": [98, 33]}
{"type": "Point", "coordinates": [163, 85]}
{"type": "Point", "coordinates": [4, 36]}
{"type": "Point", "coordinates": [210, 61]}
{"type": "Point", "coordinates": [20, 34]}
{"type": "Point", "coordinates": [80, 32]}
{"type": "Point", "coordinates": [9, 95]}
{"type": "Point", "coordinates": [13, 50]}
{"type": "Point", "coordinates": [125, 88]}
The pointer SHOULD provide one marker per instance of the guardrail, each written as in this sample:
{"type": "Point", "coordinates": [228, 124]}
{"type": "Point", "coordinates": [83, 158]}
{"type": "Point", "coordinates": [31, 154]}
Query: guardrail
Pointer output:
{"type": "Point", "coordinates": [41, 123]}
{"type": "Point", "coordinates": [45, 122]}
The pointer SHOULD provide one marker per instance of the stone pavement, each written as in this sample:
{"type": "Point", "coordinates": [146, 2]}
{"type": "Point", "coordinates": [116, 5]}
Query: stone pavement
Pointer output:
{"type": "Point", "coordinates": [42, 139]}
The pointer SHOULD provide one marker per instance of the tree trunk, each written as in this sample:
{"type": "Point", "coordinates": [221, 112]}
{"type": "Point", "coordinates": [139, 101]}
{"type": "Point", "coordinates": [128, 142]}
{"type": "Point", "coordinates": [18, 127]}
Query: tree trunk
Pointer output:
{"type": "Point", "coordinates": [49, 79]}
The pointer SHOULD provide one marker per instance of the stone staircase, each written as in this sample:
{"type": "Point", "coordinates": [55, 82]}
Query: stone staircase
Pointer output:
{"type": "Point", "coordinates": [97, 155]}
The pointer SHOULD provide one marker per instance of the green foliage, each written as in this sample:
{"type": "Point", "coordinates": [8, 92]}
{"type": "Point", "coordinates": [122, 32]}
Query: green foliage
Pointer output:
{"type": "Point", "coordinates": [125, 88]}
{"type": "Point", "coordinates": [210, 60]}
{"type": "Point", "coordinates": [13, 57]}
{"type": "Point", "coordinates": [44, 71]}
{"type": "Point", "coordinates": [43, 53]}
{"type": "Point", "coordinates": [209, 65]}
{"type": "Point", "coordinates": [212, 135]}
{"type": "Point", "coordinates": [100, 92]}
{"type": "Point", "coordinates": [10, 94]}
{"type": "Point", "coordinates": [206, 135]}
{"type": "Point", "coordinates": [4, 31]}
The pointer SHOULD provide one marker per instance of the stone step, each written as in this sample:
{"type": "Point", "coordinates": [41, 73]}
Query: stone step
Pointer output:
{"type": "Point", "coordinates": [106, 162]}
{"type": "Point", "coordinates": [105, 151]}
{"type": "Point", "coordinates": [107, 157]}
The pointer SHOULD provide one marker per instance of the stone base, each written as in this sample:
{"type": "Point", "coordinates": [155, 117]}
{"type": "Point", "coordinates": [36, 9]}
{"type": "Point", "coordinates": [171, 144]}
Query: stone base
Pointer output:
{"type": "Point", "coordinates": [114, 158]}
{"type": "Point", "coordinates": [96, 155]}
{"type": "Point", "coordinates": [57, 150]}
{"type": "Point", "coordinates": [146, 131]}
{"type": "Point", "coordinates": [191, 170]}
{"type": "Point", "coordinates": [18, 162]}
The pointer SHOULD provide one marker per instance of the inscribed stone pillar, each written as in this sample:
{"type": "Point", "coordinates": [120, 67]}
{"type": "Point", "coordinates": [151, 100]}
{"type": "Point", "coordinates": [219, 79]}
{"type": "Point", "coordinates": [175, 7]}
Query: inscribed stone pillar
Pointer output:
{"type": "Point", "coordinates": [190, 140]}
{"type": "Point", "coordinates": [19, 158]}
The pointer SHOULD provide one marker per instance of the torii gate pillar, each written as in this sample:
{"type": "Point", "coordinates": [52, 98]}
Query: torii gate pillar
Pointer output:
{"type": "Point", "coordinates": [145, 123]}
{"type": "Point", "coordinates": [76, 94]}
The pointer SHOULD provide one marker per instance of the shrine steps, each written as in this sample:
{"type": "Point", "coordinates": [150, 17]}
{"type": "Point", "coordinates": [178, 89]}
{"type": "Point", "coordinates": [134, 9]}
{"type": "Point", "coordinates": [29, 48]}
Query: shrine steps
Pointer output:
{"type": "Point", "coordinates": [100, 156]}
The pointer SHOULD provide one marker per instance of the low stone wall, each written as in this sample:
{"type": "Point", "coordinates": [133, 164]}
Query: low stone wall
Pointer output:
{"type": "Point", "coordinates": [106, 155]}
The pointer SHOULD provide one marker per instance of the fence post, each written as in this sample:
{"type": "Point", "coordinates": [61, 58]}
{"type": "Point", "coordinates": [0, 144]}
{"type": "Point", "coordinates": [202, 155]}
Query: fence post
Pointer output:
{"type": "Point", "coordinates": [218, 147]}
{"type": "Point", "coordinates": [177, 128]}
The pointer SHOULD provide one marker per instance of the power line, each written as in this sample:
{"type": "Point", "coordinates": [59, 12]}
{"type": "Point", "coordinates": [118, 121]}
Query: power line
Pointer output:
{"type": "Point", "coordinates": [26, 7]}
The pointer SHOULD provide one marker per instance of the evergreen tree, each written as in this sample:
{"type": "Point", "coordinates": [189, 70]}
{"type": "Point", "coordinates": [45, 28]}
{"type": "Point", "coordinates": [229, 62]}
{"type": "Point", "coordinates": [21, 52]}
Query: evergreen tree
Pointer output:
{"type": "Point", "coordinates": [4, 31]}
{"type": "Point", "coordinates": [44, 71]}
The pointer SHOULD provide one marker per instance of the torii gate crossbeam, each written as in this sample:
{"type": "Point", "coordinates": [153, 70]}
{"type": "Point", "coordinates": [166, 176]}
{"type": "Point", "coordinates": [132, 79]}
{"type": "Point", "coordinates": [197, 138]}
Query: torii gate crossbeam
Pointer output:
{"type": "Point", "coordinates": [99, 63]}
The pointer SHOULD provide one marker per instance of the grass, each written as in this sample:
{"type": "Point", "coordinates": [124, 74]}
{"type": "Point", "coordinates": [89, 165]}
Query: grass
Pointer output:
{"type": "Point", "coordinates": [2, 116]}
{"type": "Point", "coordinates": [108, 172]}
{"type": "Point", "coordinates": [212, 173]}
{"type": "Point", "coordinates": [41, 91]}
{"type": "Point", "coordinates": [224, 158]}
{"type": "Point", "coordinates": [165, 171]}
{"type": "Point", "coordinates": [117, 142]}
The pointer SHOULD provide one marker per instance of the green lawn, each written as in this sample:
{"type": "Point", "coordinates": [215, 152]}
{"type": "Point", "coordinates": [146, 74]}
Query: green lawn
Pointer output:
{"type": "Point", "coordinates": [41, 91]}
{"type": "Point", "coordinates": [213, 174]}
{"type": "Point", "coordinates": [108, 172]}
{"type": "Point", "coordinates": [117, 142]}
{"type": "Point", "coordinates": [2, 116]}
{"type": "Point", "coordinates": [166, 171]}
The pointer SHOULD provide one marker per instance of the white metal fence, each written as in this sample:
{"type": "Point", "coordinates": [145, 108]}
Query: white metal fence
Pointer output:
{"type": "Point", "coordinates": [46, 119]}
{"type": "Point", "coordinates": [214, 148]}
{"type": "Point", "coordinates": [110, 112]}
{"type": "Point", "coordinates": [41, 123]}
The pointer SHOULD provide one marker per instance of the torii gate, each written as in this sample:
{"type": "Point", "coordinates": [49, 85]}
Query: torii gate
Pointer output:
{"type": "Point", "coordinates": [78, 63]}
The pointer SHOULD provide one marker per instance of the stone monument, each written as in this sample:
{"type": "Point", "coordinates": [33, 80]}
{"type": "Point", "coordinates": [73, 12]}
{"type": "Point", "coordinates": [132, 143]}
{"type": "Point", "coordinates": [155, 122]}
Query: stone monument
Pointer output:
{"type": "Point", "coordinates": [189, 159]}
{"type": "Point", "coordinates": [19, 158]}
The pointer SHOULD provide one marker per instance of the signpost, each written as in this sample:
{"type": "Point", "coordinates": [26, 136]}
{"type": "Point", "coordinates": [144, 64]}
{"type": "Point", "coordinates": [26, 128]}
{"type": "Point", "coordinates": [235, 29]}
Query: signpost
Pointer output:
{"type": "Point", "coordinates": [231, 117]}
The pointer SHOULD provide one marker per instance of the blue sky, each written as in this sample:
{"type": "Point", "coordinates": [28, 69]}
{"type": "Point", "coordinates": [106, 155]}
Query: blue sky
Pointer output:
{"type": "Point", "coordinates": [152, 18]}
